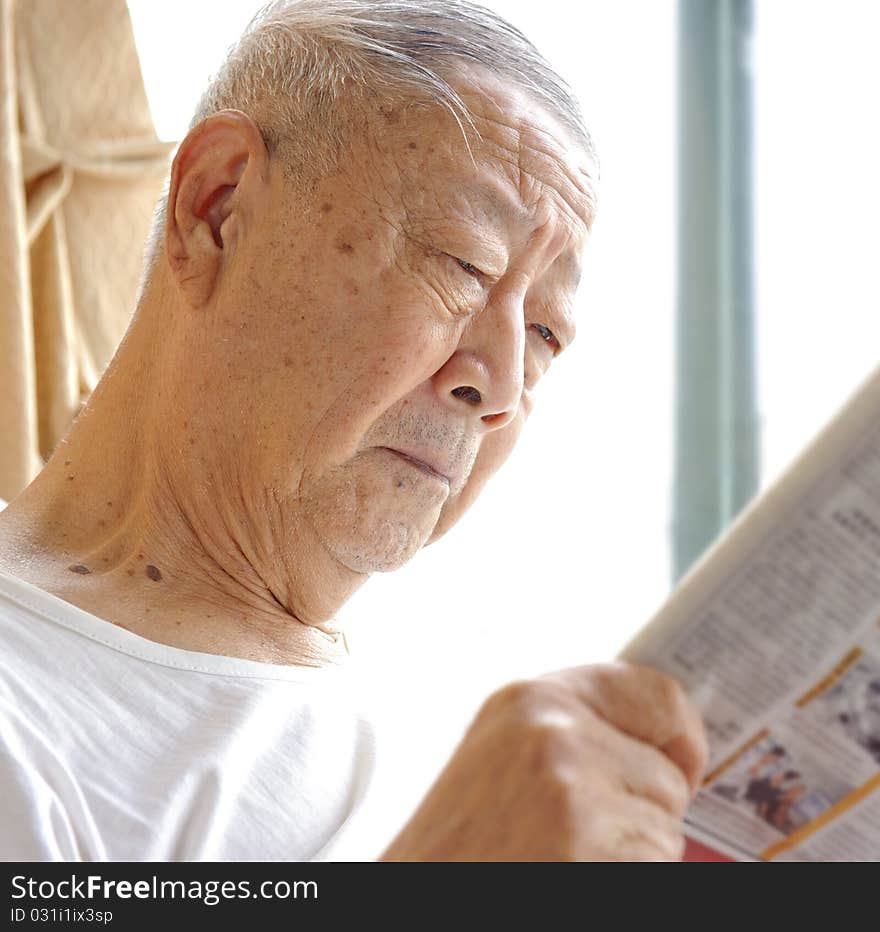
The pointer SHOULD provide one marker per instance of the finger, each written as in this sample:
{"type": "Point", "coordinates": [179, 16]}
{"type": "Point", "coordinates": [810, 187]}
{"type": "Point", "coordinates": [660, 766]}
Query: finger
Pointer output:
{"type": "Point", "coordinates": [690, 755]}
{"type": "Point", "coordinates": [626, 828]}
{"type": "Point", "coordinates": [647, 704]}
{"type": "Point", "coordinates": [635, 766]}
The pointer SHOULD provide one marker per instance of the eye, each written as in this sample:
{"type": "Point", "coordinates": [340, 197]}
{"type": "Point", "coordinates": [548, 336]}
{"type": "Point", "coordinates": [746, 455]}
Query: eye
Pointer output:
{"type": "Point", "coordinates": [548, 337]}
{"type": "Point", "coordinates": [469, 268]}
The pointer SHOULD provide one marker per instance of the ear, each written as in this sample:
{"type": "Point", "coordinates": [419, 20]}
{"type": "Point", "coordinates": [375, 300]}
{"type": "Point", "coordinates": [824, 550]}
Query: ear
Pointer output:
{"type": "Point", "coordinates": [219, 169]}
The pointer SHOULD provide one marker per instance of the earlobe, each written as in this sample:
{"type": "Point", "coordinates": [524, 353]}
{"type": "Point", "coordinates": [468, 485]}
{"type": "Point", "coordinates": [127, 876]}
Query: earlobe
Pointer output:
{"type": "Point", "coordinates": [220, 163]}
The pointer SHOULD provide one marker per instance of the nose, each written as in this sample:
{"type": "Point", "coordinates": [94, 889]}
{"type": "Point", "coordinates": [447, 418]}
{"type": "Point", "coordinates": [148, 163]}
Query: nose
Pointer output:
{"type": "Point", "coordinates": [484, 376]}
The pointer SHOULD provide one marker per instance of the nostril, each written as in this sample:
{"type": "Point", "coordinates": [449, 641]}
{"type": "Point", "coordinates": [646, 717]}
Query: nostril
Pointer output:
{"type": "Point", "coordinates": [468, 393]}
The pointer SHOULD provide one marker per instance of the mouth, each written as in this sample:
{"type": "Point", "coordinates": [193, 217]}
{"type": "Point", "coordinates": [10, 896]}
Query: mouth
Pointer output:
{"type": "Point", "coordinates": [419, 464]}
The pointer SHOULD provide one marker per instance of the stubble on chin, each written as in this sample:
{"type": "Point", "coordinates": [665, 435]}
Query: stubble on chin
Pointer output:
{"type": "Point", "coordinates": [372, 515]}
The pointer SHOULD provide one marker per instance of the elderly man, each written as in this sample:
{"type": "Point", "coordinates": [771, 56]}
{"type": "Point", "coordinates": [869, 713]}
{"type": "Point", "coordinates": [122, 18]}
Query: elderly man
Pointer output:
{"type": "Point", "coordinates": [367, 261]}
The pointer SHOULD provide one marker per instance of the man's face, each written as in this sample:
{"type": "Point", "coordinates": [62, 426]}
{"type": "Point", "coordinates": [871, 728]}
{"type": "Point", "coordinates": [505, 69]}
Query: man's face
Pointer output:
{"type": "Point", "coordinates": [386, 342]}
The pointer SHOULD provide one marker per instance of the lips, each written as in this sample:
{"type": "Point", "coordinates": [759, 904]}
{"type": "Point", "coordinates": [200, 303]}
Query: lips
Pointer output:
{"type": "Point", "coordinates": [421, 461]}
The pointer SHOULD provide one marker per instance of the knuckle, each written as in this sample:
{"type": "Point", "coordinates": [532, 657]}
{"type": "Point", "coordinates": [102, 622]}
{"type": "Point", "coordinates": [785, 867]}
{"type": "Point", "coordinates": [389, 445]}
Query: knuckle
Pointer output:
{"type": "Point", "coordinates": [535, 719]}
{"type": "Point", "coordinates": [665, 691]}
{"type": "Point", "coordinates": [526, 699]}
{"type": "Point", "coordinates": [510, 696]}
{"type": "Point", "coordinates": [677, 707]}
{"type": "Point", "coordinates": [670, 695]}
{"type": "Point", "coordinates": [605, 677]}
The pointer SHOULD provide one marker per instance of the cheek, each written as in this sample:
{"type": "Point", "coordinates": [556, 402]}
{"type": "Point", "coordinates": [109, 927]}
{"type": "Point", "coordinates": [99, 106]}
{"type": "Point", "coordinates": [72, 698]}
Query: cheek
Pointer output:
{"type": "Point", "coordinates": [369, 393]}
{"type": "Point", "coordinates": [346, 341]}
{"type": "Point", "coordinates": [334, 326]}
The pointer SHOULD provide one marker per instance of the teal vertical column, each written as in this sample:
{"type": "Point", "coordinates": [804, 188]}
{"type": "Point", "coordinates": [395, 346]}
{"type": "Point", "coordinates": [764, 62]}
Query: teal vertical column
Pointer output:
{"type": "Point", "coordinates": [717, 428]}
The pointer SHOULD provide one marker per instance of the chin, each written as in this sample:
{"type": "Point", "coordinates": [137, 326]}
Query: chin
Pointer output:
{"type": "Point", "coordinates": [383, 552]}
{"type": "Point", "coordinates": [373, 514]}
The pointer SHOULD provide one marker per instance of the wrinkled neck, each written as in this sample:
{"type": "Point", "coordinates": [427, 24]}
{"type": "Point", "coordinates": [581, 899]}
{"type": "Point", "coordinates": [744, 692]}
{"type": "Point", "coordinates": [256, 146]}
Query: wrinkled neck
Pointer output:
{"type": "Point", "coordinates": [122, 523]}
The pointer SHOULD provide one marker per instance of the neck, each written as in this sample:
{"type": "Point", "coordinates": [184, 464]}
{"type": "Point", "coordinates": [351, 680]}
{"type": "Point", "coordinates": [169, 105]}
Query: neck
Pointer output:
{"type": "Point", "coordinates": [128, 522]}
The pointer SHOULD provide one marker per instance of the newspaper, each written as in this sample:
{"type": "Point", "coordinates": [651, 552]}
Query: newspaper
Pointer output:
{"type": "Point", "coordinates": [775, 634]}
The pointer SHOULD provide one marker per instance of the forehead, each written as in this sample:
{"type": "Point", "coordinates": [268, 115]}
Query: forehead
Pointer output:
{"type": "Point", "coordinates": [515, 167]}
{"type": "Point", "coordinates": [527, 146]}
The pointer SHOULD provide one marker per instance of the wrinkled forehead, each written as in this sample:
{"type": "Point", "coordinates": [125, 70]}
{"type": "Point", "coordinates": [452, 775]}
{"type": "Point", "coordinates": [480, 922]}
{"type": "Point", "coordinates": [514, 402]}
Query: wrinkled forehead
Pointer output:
{"type": "Point", "coordinates": [515, 164]}
{"type": "Point", "coordinates": [518, 138]}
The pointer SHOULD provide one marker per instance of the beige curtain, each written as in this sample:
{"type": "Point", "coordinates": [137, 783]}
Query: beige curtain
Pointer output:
{"type": "Point", "coordinates": [80, 171]}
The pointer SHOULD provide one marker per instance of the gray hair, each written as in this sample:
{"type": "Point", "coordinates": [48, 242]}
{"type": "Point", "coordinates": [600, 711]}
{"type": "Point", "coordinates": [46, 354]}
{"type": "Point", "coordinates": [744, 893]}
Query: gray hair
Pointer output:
{"type": "Point", "coordinates": [300, 66]}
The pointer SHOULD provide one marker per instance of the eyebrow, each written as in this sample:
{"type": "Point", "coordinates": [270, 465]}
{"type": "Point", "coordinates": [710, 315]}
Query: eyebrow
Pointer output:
{"type": "Point", "coordinates": [498, 204]}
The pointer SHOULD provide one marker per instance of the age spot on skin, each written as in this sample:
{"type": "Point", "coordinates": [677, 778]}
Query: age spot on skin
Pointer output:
{"type": "Point", "coordinates": [153, 573]}
{"type": "Point", "coordinates": [345, 246]}
{"type": "Point", "coordinates": [79, 568]}
{"type": "Point", "coordinates": [326, 208]}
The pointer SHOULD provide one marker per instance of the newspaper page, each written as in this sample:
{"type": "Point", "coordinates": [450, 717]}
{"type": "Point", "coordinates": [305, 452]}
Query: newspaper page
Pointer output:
{"type": "Point", "coordinates": [776, 636]}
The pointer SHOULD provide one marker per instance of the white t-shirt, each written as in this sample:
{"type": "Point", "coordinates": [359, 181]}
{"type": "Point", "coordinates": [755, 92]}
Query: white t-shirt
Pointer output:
{"type": "Point", "coordinates": [114, 747]}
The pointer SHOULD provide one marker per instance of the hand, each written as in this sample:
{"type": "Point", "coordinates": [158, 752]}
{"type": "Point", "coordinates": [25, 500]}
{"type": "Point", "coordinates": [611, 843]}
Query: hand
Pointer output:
{"type": "Point", "coordinates": [590, 763]}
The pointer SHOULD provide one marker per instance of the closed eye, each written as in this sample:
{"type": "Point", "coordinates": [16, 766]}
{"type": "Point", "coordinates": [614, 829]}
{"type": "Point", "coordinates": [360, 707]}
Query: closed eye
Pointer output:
{"type": "Point", "coordinates": [469, 268]}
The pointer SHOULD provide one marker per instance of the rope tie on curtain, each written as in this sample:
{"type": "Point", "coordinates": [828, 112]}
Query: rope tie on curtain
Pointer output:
{"type": "Point", "coordinates": [48, 172]}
